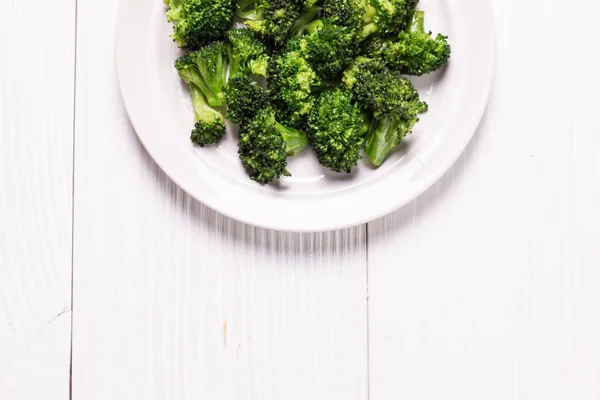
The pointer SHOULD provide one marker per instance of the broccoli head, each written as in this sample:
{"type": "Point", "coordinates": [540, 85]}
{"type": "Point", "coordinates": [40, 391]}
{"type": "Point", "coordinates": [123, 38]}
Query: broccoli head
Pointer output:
{"type": "Point", "coordinates": [337, 130]}
{"type": "Point", "coordinates": [265, 145]}
{"type": "Point", "coordinates": [199, 22]}
{"type": "Point", "coordinates": [291, 81]}
{"type": "Point", "coordinates": [272, 20]}
{"type": "Point", "coordinates": [378, 91]}
{"type": "Point", "coordinates": [392, 128]}
{"type": "Point", "coordinates": [247, 55]}
{"type": "Point", "coordinates": [210, 124]}
{"type": "Point", "coordinates": [386, 17]}
{"type": "Point", "coordinates": [244, 99]}
{"type": "Point", "coordinates": [348, 13]}
{"type": "Point", "coordinates": [207, 69]}
{"type": "Point", "coordinates": [417, 52]}
{"type": "Point", "coordinates": [328, 48]}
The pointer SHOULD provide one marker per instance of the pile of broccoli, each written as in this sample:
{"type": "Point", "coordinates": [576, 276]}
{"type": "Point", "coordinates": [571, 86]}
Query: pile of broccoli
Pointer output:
{"type": "Point", "coordinates": [335, 71]}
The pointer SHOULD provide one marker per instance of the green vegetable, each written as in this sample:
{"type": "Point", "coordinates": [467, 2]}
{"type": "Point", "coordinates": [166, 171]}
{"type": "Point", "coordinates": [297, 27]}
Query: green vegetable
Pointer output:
{"type": "Point", "coordinates": [245, 98]}
{"type": "Point", "coordinates": [207, 69]}
{"type": "Point", "coordinates": [265, 145]}
{"type": "Point", "coordinates": [247, 55]}
{"type": "Point", "coordinates": [335, 73]}
{"type": "Point", "coordinates": [337, 130]}
{"type": "Point", "coordinates": [199, 22]}
{"type": "Point", "coordinates": [417, 52]}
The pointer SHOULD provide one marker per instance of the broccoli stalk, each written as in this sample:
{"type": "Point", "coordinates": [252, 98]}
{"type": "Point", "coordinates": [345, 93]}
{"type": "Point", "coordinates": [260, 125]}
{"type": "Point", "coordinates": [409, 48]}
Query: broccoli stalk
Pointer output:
{"type": "Point", "coordinates": [304, 21]}
{"type": "Point", "coordinates": [210, 125]}
{"type": "Point", "coordinates": [417, 52]}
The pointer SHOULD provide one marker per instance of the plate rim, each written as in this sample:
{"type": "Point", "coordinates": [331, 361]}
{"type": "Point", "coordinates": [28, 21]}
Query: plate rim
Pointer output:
{"type": "Point", "coordinates": [365, 218]}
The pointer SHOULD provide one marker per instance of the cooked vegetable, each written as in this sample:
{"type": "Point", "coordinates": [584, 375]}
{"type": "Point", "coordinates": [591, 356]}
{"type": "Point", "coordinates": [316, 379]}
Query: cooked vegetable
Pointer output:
{"type": "Point", "coordinates": [199, 22]}
{"type": "Point", "coordinates": [335, 73]}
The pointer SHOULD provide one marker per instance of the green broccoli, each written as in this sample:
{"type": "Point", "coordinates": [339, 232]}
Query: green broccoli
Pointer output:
{"type": "Point", "coordinates": [392, 100]}
{"type": "Point", "coordinates": [210, 124]}
{"type": "Point", "coordinates": [327, 47]}
{"type": "Point", "coordinates": [272, 20]}
{"type": "Point", "coordinates": [207, 69]}
{"type": "Point", "coordinates": [199, 22]}
{"type": "Point", "coordinates": [417, 52]}
{"type": "Point", "coordinates": [244, 99]}
{"type": "Point", "coordinates": [291, 81]}
{"type": "Point", "coordinates": [265, 145]}
{"type": "Point", "coordinates": [337, 130]}
{"type": "Point", "coordinates": [247, 55]}
{"type": "Point", "coordinates": [348, 13]}
{"type": "Point", "coordinates": [386, 17]}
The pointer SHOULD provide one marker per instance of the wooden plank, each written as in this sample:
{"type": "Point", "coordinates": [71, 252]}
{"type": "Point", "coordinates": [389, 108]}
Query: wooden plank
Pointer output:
{"type": "Point", "coordinates": [37, 39]}
{"type": "Point", "coordinates": [487, 286]}
{"type": "Point", "coordinates": [173, 301]}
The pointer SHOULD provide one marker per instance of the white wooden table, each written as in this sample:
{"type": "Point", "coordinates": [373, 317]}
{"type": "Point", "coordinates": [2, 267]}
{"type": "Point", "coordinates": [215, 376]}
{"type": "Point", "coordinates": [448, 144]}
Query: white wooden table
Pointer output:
{"type": "Point", "coordinates": [114, 284]}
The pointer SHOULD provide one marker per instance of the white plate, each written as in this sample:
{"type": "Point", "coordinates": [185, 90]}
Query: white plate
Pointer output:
{"type": "Point", "coordinates": [313, 199]}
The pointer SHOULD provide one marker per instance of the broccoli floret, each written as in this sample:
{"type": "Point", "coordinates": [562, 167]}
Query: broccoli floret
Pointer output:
{"type": "Point", "coordinates": [291, 81]}
{"type": "Point", "coordinates": [392, 100]}
{"type": "Point", "coordinates": [348, 13]}
{"type": "Point", "coordinates": [392, 128]}
{"type": "Point", "coordinates": [377, 90]}
{"type": "Point", "coordinates": [270, 19]}
{"type": "Point", "coordinates": [417, 52]}
{"type": "Point", "coordinates": [386, 17]}
{"type": "Point", "coordinates": [207, 69]}
{"type": "Point", "coordinates": [337, 130]}
{"type": "Point", "coordinates": [328, 47]}
{"type": "Point", "coordinates": [247, 55]}
{"type": "Point", "coordinates": [244, 99]}
{"type": "Point", "coordinates": [199, 22]}
{"type": "Point", "coordinates": [265, 145]}
{"type": "Point", "coordinates": [210, 124]}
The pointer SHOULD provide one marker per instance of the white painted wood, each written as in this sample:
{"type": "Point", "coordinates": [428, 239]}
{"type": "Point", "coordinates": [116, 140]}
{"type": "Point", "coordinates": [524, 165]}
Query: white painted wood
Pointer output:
{"type": "Point", "coordinates": [173, 301]}
{"type": "Point", "coordinates": [487, 286]}
{"type": "Point", "coordinates": [36, 152]}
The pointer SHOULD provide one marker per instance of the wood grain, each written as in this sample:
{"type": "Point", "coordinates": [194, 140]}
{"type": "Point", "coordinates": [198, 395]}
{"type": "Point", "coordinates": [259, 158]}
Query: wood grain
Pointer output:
{"type": "Point", "coordinates": [486, 286]}
{"type": "Point", "coordinates": [36, 152]}
{"type": "Point", "coordinates": [173, 301]}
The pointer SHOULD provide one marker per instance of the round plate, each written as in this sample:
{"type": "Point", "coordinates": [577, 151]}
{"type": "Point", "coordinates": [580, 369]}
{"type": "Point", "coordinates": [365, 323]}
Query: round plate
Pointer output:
{"type": "Point", "coordinates": [313, 199]}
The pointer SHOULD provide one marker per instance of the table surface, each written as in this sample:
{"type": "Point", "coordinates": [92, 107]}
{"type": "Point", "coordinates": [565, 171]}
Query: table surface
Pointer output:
{"type": "Point", "coordinates": [114, 284]}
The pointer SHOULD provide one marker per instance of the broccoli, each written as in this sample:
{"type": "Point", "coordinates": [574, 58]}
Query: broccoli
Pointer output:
{"type": "Point", "coordinates": [291, 81]}
{"type": "Point", "coordinates": [385, 17]}
{"type": "Point", "coordinates": [265, 145]}
{"type": "Point", "coordinates": [337, 130]}
{"type": "Point", "coordinates": [207, 69]}
{"type": "Point", "coordinates": [392, 100]}
{"type": "Point", "coordinates": [270, 19]}
{"type": "Point", "coordinates": [393, 127]}
{"type": "Point", "coordinates": [302, 22]}
{"type": "Point", "coordinates": [247, 55]}
{"type": "Point", "coordinates": [199, 22]}
{"type": "Point", "coordinates": [417, 52]}
{"type": "Point", "coordinates": [244, 99]}
{"type": "Point", "coordinates": [328, 48]}
{"type": "Point", "coordinates": [348, 13]}
{"type": "Point", "coordinates": [210, 124]}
